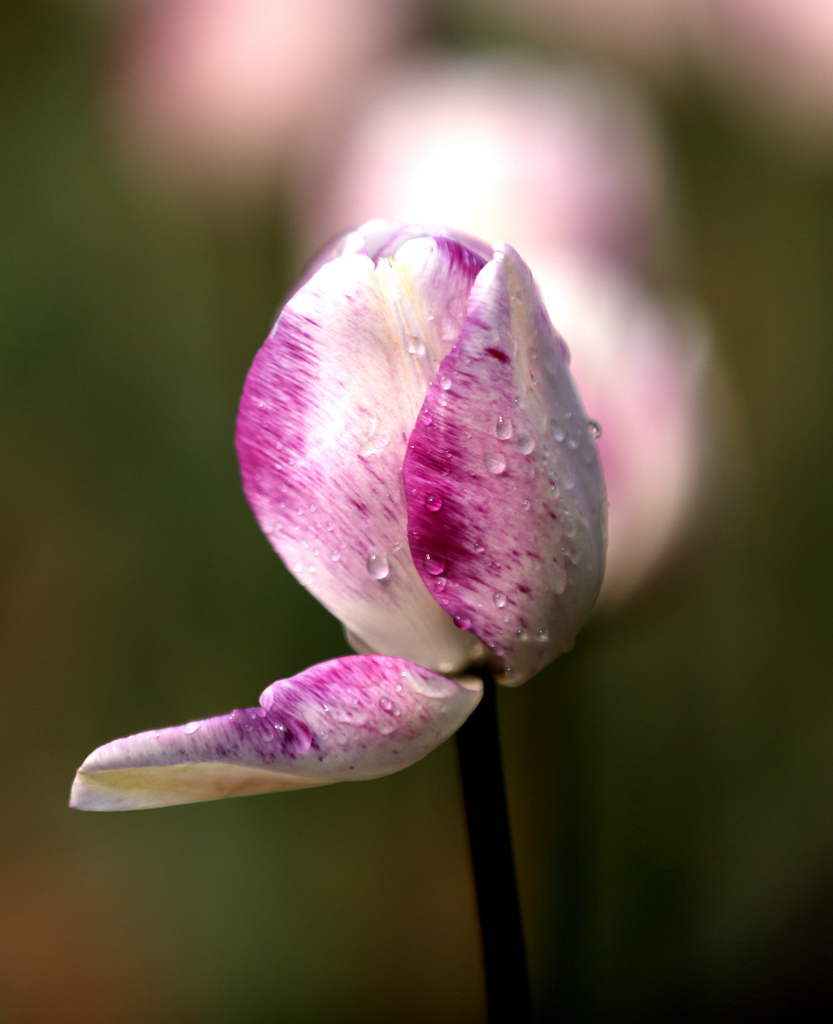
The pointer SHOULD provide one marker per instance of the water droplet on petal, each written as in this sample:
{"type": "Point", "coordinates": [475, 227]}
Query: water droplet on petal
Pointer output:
{"type": "Point", "coordinates": [433, 503]}
{"type": "Point", "coordinates": [192, 727]}
{"type": "Point", "coordinates": [594, 430]}
{"type": "Point", "coordinates": [503, 429]}
{"type": "Point", "coordinates": [526, 506]}
{"type": "Point", "coordinates": [385, 703]}
{"type": "Point", "coordinates": [377, 564]}
{"type": "Point", "coordinates": [495, 463]}
{"type": "Point", "coordinates": [335, 556]}
{"type": "Point", "coordinates": [558, 577]}
{"type": "Point", "coordinates": [478, 547]}
{"type": "Point", "coordinates": [432, 686]}
{"type": "Point", "coordinates": [434, 566]}
{"type": "Point", "coordinates": [377, 440]}
{"type": "Point", "coordinates": [500, 600]}
{"type": "Point", "coordinates": [426, 417]}
{"type": "Point", "coordinates": [462, 621]}
{"type": "Point", "coordinates": [525, 444]}
{"type": "Point", "coordinates": [445, 383]}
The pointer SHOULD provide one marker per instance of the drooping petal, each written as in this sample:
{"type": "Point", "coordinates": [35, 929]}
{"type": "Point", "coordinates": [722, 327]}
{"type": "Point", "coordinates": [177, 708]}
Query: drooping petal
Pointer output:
{"type": "Point", "coordinates": [324, 419]}
{"type": "Point", "coordinates": [506, 504]}
{"type": "Point", "coordinates": [357, 717]}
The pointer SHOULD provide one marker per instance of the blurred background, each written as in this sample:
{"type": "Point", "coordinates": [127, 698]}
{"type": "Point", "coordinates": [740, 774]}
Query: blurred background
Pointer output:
{"type": "Point", "coordinates": [666, 166]}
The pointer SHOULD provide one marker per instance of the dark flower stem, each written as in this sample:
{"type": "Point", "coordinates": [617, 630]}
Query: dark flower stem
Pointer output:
{"type": "Point", "coordinates": [504, 954]}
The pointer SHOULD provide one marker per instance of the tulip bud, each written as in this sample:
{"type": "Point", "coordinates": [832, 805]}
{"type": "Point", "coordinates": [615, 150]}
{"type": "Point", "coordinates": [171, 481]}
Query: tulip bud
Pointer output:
{"type": "Point", "coordinates": [413, 446]}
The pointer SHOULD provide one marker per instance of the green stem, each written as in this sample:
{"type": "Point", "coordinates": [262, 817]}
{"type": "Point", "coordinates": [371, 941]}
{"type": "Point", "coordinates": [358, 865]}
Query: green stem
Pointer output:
{"type": "Point", "coordinates": [504, 953]}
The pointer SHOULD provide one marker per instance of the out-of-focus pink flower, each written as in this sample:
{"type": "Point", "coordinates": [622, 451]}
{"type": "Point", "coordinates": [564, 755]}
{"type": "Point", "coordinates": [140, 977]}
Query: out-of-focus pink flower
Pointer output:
{"type": "Point", "coordinates": [774, 58]}
{"type": "Point", "coordinates": [778, 54]}
{"type": "Point", "coordinates": [647, 31]}
{"type": "Point", "coordinates": [573, 169]}
{"type": "Point", "coordinates": [538, 157]}
{"type": "Point", "coordinates": [226, 88]}
{"type": "Point", "coordinates": [646, 372]}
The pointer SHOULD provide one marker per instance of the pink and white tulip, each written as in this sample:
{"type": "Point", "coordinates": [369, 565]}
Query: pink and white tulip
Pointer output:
{"type": "Point", "coordinates": [412, 445]}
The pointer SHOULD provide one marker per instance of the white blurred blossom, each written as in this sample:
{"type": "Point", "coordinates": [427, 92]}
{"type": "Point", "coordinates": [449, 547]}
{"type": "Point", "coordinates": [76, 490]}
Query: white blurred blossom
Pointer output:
{"type": "Point", "coordinates": [568, 167]}
{"type": "Point", "coordinates": [564, 158]}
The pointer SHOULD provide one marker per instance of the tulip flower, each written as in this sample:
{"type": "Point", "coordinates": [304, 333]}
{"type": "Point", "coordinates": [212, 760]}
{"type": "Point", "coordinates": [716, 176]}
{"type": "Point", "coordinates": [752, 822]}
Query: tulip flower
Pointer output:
{"type": "Point", "coordinates": [413, 447]}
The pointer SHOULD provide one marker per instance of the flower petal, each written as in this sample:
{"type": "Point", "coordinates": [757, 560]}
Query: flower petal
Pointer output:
{"type": "Point", "coordinates": [505, 495]}
{"type": "Point", "coordinates": [357, 717]}
{"type": "Point", "coordinates": [324, 419]}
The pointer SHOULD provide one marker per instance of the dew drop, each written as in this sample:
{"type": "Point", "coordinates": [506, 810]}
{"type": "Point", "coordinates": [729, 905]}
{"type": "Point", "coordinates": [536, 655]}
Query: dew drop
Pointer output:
{"type": "Point", "coordinates": [434, 566]}
{"type": "Point", "coordinates": [445, 383]}
{"type": "Point", "coordinates": [430, 685]}
{"type": "Point", "coordinates": [385, 703]}
{"type": "Point", "coordinates": [526, 506]}
{"type": "Point", "coordinates": [525, 444]}
{"type": "Point", "coordinates": [500, 600]}
{"type": "Point", "coordinates": [503, 428]}
{"type": "Point", "coordinates": [377, 440]}
{"type": "Point", "coordinates": [426, 417]}
{"type": "Point", "coordinates": [335, 556]}
{"type": "Point", "coordinates": [440, 584]}
{"type": "Point", "coordinates": [478, 547]}
{"type": "Point", "coordinates": [433, 503]}
{"type": "Point", "coordinates": [558, 577]}
{"type": "Point", "coordinates": [377, 564]}
{"type": "Point", "coordinates": [495, 463]}
{"type": "Point", "coordinates": [594, 430]}
{"type": "Point", "coordinates": [558, 431]}
{"type": "Point", "coordinates": [192, 727]}
{"type": "Point", "coordinates": [416, 346]}
{"type": "Point", "coordinates": [462, 621]}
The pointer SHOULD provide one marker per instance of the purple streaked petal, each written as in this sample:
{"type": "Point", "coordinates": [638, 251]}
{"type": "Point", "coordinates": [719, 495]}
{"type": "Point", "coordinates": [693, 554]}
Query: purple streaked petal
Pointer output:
{"type": "Point", "coordinates": [358, 717]}
{"type": "Point", "coordinates": [326, 411]}
{"type": "Point", "coordinates": [505, 496]}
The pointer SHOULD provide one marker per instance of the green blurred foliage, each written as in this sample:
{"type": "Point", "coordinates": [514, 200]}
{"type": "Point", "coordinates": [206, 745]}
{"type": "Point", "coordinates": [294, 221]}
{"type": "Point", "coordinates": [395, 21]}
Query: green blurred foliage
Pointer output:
{"type": "Point", "coordinates": [670, 781]}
